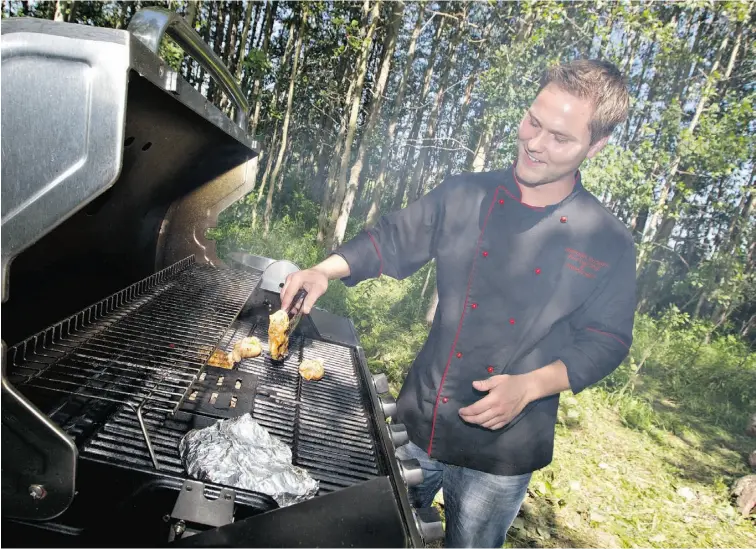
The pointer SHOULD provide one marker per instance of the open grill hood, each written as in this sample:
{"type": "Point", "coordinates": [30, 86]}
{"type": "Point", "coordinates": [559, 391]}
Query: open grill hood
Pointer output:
{"type": "Point", "coordinates": [113, 168]}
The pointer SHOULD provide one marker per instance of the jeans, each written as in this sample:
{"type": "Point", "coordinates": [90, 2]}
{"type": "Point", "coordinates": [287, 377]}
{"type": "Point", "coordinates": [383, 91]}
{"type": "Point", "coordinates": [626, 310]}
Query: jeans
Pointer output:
{"type": "Point", "coordinates": [479, 507]}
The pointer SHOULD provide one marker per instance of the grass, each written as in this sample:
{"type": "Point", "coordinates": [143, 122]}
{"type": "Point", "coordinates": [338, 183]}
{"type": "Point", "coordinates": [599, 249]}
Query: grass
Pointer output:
{"type": "Point", "coordinates": [646, 458]}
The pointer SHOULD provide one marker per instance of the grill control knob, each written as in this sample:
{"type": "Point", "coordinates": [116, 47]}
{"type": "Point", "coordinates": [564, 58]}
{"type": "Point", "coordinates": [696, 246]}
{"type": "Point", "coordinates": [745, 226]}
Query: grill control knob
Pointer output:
{"type": "Point", "coordinates": [381, 383]}
{"type": "Point", "coordinates": [388, 405]}
{"type": "Point", "coordinates": [398, 434]}
{"type": "Point", "coordinates": [411, 471]}
{"type": "Point", "coordinates": [428, 522]}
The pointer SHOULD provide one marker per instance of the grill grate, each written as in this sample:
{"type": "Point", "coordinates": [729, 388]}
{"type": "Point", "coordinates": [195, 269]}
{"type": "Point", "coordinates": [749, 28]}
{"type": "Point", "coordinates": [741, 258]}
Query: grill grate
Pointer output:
{"type": "Point", "coordinates": [142, 347]}
{"type": "Point", "coordinates": [324, 422]}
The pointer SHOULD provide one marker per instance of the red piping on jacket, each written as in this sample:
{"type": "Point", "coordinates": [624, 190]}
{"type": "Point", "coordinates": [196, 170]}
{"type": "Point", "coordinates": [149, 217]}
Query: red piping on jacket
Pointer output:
{"type": "Point", "coordinates": [461, 318]}
{"type": "Point", "coordinates": [378, 251]}
{"type": "Point", "coordinates": [608, 335]}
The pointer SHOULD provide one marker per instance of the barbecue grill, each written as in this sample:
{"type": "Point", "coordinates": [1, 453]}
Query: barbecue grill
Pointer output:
{"type": "Point", "coordinates": [113, 169]}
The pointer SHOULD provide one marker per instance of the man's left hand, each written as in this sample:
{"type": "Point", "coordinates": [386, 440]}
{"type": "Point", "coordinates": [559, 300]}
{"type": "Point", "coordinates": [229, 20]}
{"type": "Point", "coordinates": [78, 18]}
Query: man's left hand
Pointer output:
{"type": "Point", "coordinates": [507, 397]}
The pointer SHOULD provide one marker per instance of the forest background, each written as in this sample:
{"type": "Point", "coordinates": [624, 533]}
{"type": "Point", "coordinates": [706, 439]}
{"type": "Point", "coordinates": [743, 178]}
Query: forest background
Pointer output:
{"type": "Point", "coordinates": [362, 107]}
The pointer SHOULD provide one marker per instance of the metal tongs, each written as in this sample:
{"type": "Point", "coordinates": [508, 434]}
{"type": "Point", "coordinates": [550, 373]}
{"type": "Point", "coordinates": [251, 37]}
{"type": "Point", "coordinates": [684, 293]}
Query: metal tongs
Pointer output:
{"type": "Point", "coordinates": [296, 311]}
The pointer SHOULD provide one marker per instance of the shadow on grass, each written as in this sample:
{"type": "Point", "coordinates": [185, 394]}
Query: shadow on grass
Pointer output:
{"type": "Point", "coordinates": [538, 526]}
{"type": "Point", "coordinates": [711, 431]}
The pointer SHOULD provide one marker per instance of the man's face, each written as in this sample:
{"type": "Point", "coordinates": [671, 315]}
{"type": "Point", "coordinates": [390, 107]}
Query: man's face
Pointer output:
{"type": "Point", "coordinates": [554, 137]}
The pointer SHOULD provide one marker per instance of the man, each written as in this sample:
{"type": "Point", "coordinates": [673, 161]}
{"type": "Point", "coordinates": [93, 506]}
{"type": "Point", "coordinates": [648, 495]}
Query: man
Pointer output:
{"type": "Point", "coordinates": [536, 286]}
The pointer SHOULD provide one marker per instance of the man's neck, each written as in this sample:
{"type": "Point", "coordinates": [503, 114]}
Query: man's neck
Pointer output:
{"type": "Point", "coordinates": [547, 194]}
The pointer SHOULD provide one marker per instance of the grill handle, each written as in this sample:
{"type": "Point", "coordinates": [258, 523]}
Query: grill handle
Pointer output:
{"type": "Point", "coordinates": [150, 24]}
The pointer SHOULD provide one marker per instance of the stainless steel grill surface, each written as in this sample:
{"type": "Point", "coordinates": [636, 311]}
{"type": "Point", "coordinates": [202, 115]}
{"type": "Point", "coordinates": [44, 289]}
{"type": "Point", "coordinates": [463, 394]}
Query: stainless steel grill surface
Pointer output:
{"type": "Point", "coordinates": [324, 422]}
{"type": "Point", "coordinates": [131, 360]}
{"type": "Point", "coordinates": [142, 347]}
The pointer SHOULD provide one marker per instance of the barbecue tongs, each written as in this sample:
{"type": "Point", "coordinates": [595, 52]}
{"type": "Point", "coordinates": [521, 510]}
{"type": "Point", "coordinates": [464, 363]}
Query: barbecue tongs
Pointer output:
{"type": "Point", "coordinates": [296, 311]}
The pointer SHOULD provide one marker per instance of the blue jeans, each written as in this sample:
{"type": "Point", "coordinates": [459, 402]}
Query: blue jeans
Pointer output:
{"type": "Point", "coordinates": [479, 507]}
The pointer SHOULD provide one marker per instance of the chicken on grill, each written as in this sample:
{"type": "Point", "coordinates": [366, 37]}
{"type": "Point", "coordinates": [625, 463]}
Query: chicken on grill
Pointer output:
{"type": "Point", "coordinates": [249, 347]}
{"type": "Point", "coordinates": [220, 359]}
{"type": "Point", "coordinates": [278, 337]}
{"type": "Point", "coordinates": [312, 369]}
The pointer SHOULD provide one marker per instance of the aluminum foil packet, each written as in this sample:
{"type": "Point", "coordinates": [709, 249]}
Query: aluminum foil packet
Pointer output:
{"type": "Point", "coordinates": [240, 453]}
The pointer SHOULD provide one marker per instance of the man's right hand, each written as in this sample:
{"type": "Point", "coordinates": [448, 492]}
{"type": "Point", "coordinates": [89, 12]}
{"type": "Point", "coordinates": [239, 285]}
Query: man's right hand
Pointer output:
{"type": "Point", "coordinates": [314, 280]}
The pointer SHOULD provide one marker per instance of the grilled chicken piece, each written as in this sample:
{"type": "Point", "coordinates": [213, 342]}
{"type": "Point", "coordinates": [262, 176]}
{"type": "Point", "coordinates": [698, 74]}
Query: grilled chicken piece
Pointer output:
{"type": "Point", "coordinates": [221, 359]}
{"type": "Point", "coordinates": [249, 347]}
{"type": "Point", "coordinates": [278, 338]}
{"type": "Point", "coordinates": [312, 369]}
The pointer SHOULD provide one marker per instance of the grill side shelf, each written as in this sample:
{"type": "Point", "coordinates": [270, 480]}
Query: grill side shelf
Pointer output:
{"type": "Point", "coordinates": [143, 347]}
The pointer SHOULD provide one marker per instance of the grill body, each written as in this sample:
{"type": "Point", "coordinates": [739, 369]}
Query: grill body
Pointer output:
{"type": "Point", "coordinates": [113, 301]}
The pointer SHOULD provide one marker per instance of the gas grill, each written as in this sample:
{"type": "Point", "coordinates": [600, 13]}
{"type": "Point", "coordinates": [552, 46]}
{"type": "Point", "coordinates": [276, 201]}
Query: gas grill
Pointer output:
{"type": "Point", "coordinates": [114, 301]}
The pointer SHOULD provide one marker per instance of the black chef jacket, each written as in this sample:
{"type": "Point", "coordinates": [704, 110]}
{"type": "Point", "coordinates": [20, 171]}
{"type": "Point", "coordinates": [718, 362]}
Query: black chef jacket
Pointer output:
{"type": "Point", "coordinates": [519, 287]}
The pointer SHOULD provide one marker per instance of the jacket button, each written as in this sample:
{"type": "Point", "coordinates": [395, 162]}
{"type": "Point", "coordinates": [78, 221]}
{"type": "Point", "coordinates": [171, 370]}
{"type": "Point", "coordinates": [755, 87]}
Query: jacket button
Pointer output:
{"type": "Point", "coordinates": [563, 219]}
{"type": "Point", "coordinates": [511, 320]}
{"type": "Point", "coordinates": [538, 270]}
{"type": "Point", "coordinates": [490, 369]}
{"type": "Point", "coordinates": [501, 201]}
{"type": "Point", "coordinates": [474, 305]}
{"type": "Point", "coordinates": [459, 355]}
{"type": "Point", "coordinates": [445, 400]}
{"type": "Point", "coordinates": [485, 254]}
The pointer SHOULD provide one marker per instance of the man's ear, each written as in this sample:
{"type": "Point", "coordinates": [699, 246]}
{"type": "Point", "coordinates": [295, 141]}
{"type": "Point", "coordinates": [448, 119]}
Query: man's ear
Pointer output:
{"type": "Point", "coordinates": [597, 146]}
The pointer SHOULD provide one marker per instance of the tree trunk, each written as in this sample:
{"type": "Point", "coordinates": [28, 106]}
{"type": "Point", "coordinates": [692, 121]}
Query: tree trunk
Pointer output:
{"type": "Point", "coordinates": [229, 49]}
{"type": "Point", "coordinates": [191, 13]}
{"type": "Point", "coordinates": [450, 59]}
{"type": "Point", "coordinates": [430, 314]}
{"type": "Point", "coordinates": [483, 147]}
{"type": "Point", "coordinates": [270, 11]}
{"type": "Point", "coordinates": [220, 14]}
{"type": "Point", "coordinates": [273, 105]}
{"type": "Point", "coordinates": [287, 117]}
{"type": "Point", "coordinates": [206, 34]}
{"type": "Point", "coordinates": [418, 119]}
{"type": "Point", "coordinates": [375, 110]}
{"type": "Point", "coordinates": [241, 52]}
{"type": "Point", "coordinates": [675, 164]}
{"type": "Point", "coordinates": [60, 11]}
{"type": "Point", "coordinates": [668, 223]}
{"type": "Point", "coordinates": [374, 211]}
{"type": "Point", "coordinates": [360, 72]}
{"type": "Point", "coordinates": [330, 186]}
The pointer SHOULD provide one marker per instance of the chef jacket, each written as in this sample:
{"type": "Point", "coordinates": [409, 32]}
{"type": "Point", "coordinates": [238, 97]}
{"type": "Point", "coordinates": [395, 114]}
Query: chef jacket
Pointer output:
{"type": "Point", "coordinates": [518, 288]}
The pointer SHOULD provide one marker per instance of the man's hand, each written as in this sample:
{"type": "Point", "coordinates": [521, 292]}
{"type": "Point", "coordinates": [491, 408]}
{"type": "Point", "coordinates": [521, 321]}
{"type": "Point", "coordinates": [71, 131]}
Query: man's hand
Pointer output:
{"type": "Point", "coordinates": [507, 397]}
{"type": "Point", "coordinates": [312, 280]}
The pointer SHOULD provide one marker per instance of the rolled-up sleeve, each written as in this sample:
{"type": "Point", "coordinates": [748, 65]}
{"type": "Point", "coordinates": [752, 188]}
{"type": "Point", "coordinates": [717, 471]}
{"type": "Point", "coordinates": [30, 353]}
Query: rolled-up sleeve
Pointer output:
{"type": "Point", "coordinates": [399, 244]}
{"type": "Point", "coordinates": [603, 329]}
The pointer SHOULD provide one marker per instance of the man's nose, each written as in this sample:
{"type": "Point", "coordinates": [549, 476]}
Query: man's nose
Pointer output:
{"type": "Point", "coordinates": [536, 142]}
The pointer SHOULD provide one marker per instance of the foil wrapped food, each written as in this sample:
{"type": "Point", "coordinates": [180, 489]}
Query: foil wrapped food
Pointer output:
{"type": "Point", "coordinates": [240, 453]}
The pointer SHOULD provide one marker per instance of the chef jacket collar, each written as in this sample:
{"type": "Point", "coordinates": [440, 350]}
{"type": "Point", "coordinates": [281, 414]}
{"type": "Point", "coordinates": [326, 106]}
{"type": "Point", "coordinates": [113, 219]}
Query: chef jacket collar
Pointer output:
{"type": "Point", "coordinates": [513, 185]}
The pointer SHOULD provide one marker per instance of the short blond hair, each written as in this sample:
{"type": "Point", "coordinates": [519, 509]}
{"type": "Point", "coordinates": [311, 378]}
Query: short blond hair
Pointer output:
{"type": "Point", "coordinates": [601, 83]}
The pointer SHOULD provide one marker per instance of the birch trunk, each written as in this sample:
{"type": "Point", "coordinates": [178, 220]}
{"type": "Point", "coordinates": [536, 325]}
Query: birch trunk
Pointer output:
{"type": "Point", "coordinates": [380, 182]}
{"type": "Point", "coordinates": [346, 154]}
{"type": "Point", "coordinates": [418, 119]}
{"type": "Point", "coordinates": [375, 110]}
{"type": "Point", "coordinates": [285, 129]}
{"type": "Point", "coordinates": [241, 51]}
{"type": "Point", "coordinates": [270, 11]}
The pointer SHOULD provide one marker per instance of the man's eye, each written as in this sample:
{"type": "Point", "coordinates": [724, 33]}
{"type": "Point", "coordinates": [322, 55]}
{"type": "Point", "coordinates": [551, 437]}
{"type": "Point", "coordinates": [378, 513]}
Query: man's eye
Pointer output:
{"type": "Point", "coordinates": [533, 122]}
{"type": "Point", "coordinates": [560, 139]}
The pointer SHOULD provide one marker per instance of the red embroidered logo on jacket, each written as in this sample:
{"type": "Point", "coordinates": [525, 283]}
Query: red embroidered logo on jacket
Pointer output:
{"type": "Point", "coordinates": [583, 263]}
